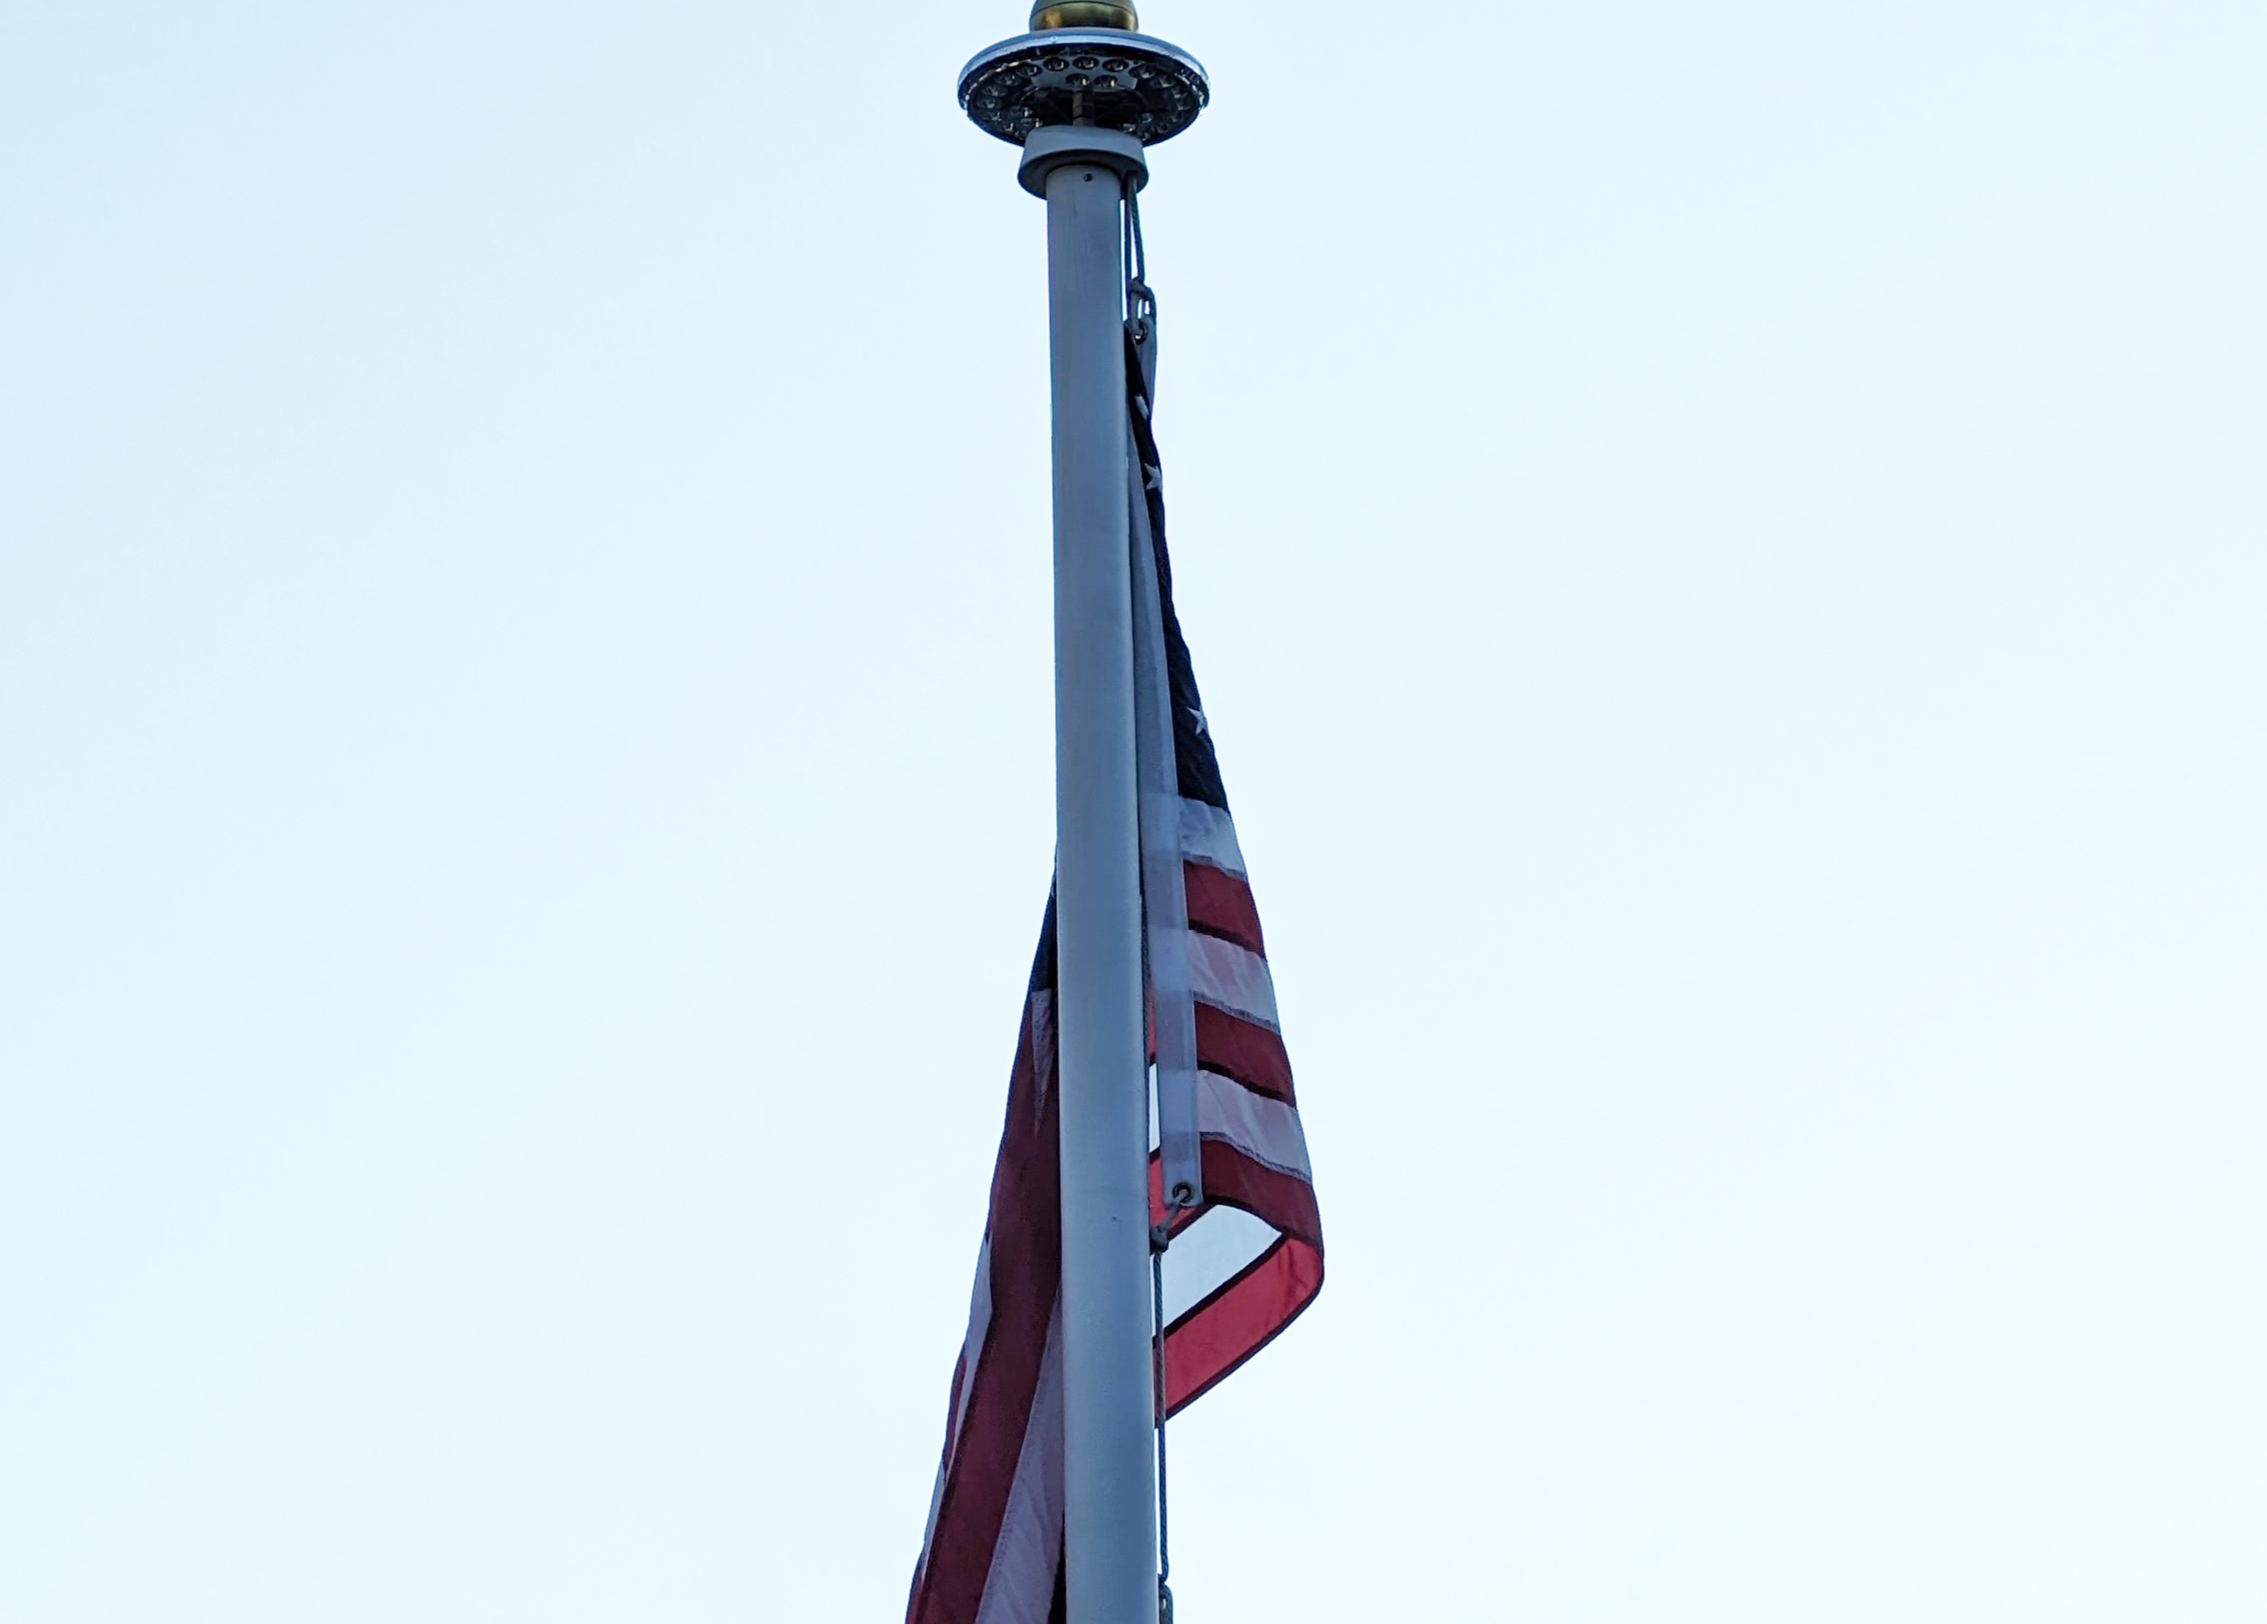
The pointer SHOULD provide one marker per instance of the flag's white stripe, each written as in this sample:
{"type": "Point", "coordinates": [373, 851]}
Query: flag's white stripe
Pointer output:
{"type": "Point", "coordinates": [1020, 1587]}
{"type": "Point", "coordinates": [979, 1321]}
{"type": "Point", "coordinates": [1232, 978]}
{"type": "Point", "coordinates": [1264, 1129]}
{"type": "Point", "coordinates": [936, 1502]}
{"type": "Point", "coordinates": [1208, 835]}
{"type": "Point", "coordinates": [1168, 969]}
{"type": "Point", "coordinates": [1221, 1244]}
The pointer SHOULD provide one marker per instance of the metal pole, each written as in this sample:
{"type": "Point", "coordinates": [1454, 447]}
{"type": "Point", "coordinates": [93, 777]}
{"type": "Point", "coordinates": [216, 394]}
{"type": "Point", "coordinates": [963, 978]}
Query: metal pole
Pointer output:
{"type": "Point", "coordinates": [1110, 1520]}
{"type": "Point", "coordinates": [1082, 94]}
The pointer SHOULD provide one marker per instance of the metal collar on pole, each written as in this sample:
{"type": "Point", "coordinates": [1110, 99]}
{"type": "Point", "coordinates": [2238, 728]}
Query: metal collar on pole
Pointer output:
{"type": "Point", "coordinates": [1049, 149]}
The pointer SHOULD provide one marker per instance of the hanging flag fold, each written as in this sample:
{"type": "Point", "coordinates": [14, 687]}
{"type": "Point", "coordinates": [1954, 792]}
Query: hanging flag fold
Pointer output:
{"type": "Point", "coordinates": [1228, 1176]}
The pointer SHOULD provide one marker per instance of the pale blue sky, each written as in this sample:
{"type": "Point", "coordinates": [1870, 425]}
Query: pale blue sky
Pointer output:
{"type": "Point", "coordinates": [1724, 546]}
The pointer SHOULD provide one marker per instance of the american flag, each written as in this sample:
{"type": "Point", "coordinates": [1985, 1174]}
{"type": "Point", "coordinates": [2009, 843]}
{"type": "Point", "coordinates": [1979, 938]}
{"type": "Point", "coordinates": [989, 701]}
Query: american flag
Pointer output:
{"type": "Point", "coordinates": [1242, 1263]}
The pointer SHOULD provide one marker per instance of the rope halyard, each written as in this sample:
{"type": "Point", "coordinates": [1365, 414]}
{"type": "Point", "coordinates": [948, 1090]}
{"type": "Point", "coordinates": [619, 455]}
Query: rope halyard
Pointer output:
{"type": "Point", "coordinates": [1137, 262]}
{"type": "Point", "coordinates": [1159, 1239]}
{"type": "Point", "coordinates": [1141, 301]}
{"type": "Point", "coordinates": [1141, 327]}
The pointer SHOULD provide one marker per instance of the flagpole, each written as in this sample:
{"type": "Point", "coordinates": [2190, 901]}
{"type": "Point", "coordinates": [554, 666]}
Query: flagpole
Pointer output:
{"type": "Point", "coordinates": [1082, 94]}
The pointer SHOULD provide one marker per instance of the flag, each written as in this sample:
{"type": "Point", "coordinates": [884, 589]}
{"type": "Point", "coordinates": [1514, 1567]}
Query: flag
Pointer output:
{"type": "Point", "coordinates": [1245, 1256]}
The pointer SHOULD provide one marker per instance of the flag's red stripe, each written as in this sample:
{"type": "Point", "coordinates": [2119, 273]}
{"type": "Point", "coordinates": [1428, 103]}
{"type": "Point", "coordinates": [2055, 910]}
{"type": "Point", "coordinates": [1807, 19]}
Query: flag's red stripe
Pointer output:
{"type": "Point", "coordinates": [1244, 1050]}
{"type": "Point", "coordinates": [1285, 1200]}
{"type": "Point", "coordinates": [1239, 1320]}
{"type": "Point", "coordinates": [1242, 1318]}
{"type": "Point", "coordinates": [1026, 1265]}
{"type": "Point", "coordinates": [1221, 905]}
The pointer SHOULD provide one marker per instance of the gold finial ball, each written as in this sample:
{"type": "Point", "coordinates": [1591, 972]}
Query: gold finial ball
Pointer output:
{"type": "Point", "coordinates": [1083, 14]}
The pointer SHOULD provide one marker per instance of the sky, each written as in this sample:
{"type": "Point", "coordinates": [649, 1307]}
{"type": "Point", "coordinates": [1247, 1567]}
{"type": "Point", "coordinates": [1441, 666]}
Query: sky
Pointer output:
{"type": "Point", "coordinates": [1724, 549]}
